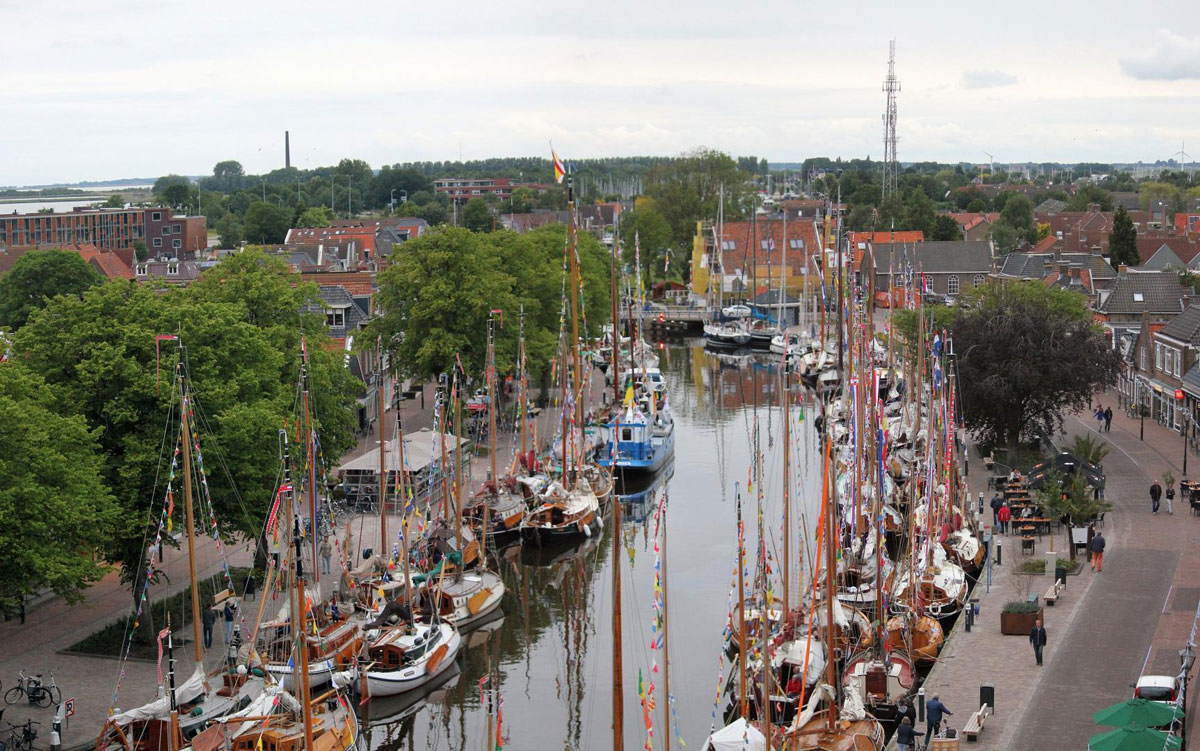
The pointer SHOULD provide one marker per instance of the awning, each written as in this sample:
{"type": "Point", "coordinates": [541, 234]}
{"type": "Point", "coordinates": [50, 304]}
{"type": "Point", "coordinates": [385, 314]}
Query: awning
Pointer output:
{"type": "Point", "coordinates": [420, 450]}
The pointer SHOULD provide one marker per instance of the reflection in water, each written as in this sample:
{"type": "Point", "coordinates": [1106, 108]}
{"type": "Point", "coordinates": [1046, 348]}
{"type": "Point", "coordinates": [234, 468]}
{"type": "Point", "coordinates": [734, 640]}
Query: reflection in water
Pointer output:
{"type": "Point", "coordinates": [550, 655]}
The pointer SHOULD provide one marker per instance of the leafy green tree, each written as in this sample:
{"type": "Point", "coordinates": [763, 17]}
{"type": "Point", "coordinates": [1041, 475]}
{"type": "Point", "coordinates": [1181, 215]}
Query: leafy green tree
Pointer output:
{"type": "Point", "coordinates": [241, 325]}
{"type": "Point", "coordinates": [356, 171]}
{"type": "Point", "coordinates": [38, 276]}
{"type": "Point", "coordinates": [408, 180]}
{"type": "Point", "coordinates": [554, 199]}
{"type": "Point", "coordinates": [1156, 196]}
{"type": "Point", "coordinates": [1018, 213]}
{"type": "Point", "coordinates": [317, 216]}
{"type": "Point", "coordinates": [179, 196]}
{"type": "Point", "coordinates": [976, 206]}
{"type": "Point", "coordinates": [227, 177]}
{"type": "Point", "coordinates": [522, 201]}
{"type": "Point", "coordinates": [1090, 448]}
{"type": "Point", "coordinates": [266, 222]}
{"type": "Point", "coordinates": [1005, 237]}
{"type": "Point", "coordinates": [477, 217]}
{"type": "Point", "coordinates": [946, 228]}
{"type": "Point", "coordinates": [1122, 243]}
{"type": "Point", "coordinates": [918, 213]}
{"type": "Point", "coordinates": [1069, 498]}
{"type": "Point", "coordinates": [1008, 337]}
{"type": "Point", "coordinates": [58, 513]}
{"type": "Point", "coordinates": [115, 201]}
{"type": "Point", "coordinates": [166, 181]}
{"type": "Point", "coordinates": [653, 234]}
{"type": "Point", "coordinates": [140, 251]}
{"type": "Point", "coordinates": [229, 231]}
{"type": "Point", "coordinates": [689, 188]}
{"type": "Point", "coordinates": [1089, 194]}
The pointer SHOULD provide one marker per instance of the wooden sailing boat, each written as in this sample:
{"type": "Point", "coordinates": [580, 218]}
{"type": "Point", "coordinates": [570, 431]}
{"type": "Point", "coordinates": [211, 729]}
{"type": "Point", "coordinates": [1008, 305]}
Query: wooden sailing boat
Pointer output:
{"type": "Point", "coordinates": [182, 710]}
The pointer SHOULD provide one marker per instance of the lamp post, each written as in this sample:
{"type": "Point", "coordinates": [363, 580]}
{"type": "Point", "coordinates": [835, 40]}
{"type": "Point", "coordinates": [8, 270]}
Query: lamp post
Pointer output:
{"type": "Point", "coordinates": [1141, 412]}
{"type": "Point", "coordinates": [1187, 658]}
{"type": "Point", "coordinates": [392, 203]}
{"type": "Point", "coordinates": [1182, 426]}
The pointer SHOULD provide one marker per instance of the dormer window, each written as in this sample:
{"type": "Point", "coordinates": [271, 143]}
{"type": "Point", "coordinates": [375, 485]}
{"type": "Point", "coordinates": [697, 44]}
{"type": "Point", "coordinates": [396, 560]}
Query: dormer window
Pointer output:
{"type": "Point", "coordinates": [335, 318]}
{"type": "Point", "coordinates": [141, 269]}
{"type": "Point", "coordinates": [172, 269]}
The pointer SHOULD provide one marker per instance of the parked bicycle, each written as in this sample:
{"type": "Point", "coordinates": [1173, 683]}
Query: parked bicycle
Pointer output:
{"type": "Point", "coordinates": [20, 737]}
{"type": "Point", "coordinates": [33, 688]}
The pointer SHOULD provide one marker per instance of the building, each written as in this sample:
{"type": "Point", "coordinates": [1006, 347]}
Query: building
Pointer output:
{"type": "Point", "coordinates": [944, 267]}
{"type": "Point", "coordinates": [1187, 222]}
{"type": "Point", "coordinates": [463, 189]}
{"type": "Point", "coordinates": [859, 240]}
{"type": "Point", "coordinates": [1082, 272]}
{"type": "Point", "coordinates": [107, 229]}
{"type": "Point", "coordinates": [760, 253]}
{"type": "Point", "coordinates": [976, 226]}
{"type": "Point", "coordinates": [1160, 251]}
{"type": "Point", "coordinates": [114, 264]}
{"type": "Point", "coordinates": [172, 271]}
{"type": "Point", "coordinates": [1166, 370]}
{"type": "Point", "coordinates": [1087, 231]}
{"type": "Point", "coordinates": [1138, 299]}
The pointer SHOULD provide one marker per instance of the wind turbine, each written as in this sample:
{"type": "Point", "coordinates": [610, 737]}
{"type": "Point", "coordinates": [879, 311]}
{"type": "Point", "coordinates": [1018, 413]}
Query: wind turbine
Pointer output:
{"type": "Point", "coordinates": [1183, 157]}
{"type": "Point", "coordinates": [991, 164]}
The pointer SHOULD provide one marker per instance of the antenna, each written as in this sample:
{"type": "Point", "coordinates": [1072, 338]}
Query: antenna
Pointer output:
{"type": "Point", "coordinates": [891, 168]}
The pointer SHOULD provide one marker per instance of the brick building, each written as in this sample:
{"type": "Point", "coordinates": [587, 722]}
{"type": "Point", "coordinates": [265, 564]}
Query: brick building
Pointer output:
{"type": "Point", "coordinates": [107, 229]}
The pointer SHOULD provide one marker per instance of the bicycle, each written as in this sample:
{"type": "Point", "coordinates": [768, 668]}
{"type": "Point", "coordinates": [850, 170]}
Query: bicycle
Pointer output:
{"type": "Point", "coordinates": [38, 693]}
{"type": "Point", "coordinates": [22, 742]}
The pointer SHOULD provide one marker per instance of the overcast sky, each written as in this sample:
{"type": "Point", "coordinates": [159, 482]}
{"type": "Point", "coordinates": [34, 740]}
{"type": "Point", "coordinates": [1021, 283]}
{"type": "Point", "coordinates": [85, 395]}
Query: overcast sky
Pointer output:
{"type": "Point", "coordinates": [145, 87]}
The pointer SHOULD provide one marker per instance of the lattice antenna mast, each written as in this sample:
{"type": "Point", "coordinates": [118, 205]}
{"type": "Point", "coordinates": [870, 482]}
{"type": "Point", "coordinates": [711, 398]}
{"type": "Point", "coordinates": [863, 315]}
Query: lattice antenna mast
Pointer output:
{"type": "Point", "coordinates": [891, 86]}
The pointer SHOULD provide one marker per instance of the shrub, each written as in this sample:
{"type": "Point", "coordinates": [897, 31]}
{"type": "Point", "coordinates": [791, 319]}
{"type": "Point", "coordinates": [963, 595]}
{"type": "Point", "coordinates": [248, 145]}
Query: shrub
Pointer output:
{"type": "Point", "coordinates": [1034, 566]}
{"type": "Point", "coordinates": [1020, 607]}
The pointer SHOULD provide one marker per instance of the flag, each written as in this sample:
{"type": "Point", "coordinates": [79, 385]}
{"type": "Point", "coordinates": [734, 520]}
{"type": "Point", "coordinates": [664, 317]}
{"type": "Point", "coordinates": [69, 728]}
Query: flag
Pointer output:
{"type": "Point", "coordinates": [560, 171]}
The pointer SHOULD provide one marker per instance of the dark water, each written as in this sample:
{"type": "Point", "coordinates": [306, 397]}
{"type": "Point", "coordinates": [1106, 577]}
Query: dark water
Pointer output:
{"type": "Point", "coordinates": [552, 650]}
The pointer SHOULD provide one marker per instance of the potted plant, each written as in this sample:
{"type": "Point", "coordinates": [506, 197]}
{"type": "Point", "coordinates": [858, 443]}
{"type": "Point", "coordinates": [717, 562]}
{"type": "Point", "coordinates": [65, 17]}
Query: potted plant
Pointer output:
{"type": "Point", "coordinates": [1018, 614]}
{"type": "Point", "coordinates": [1070, 499]}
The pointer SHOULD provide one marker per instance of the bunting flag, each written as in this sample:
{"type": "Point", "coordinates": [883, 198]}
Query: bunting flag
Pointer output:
{"type": "Point", "coordinates": [560, 171]}
{"type": "Point", "coordinates": [161, 635]}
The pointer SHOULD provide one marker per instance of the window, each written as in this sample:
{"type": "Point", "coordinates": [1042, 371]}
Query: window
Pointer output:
{"type": "Point", "coordinates": [141, 269]}
{"type": "Point", "coordinates": [796, 244]}
{"type": "Point", "coordinates": [157, 242]}
{"type": "Point", "coordinates": [1139, 297]}
{"type": "Point", "coordinates": [766, 244]}
{"type": "Point", "coordinates": [172, 269]}
{"type": "Point", "coordinates": [177, 243]}
{"type": "Point", "coordinates": [727, 245]}
{"type": "Point", "coordinates": [176, 229]}
{"type": "Point", "coordinates": [166, 230]}
{"type": "Point", "coordinates": [1143, 358]}
{"type": "Point", "coordinates": [952, 285]}
{"type": "Point", "coordinates": [979, 280]}
{"type": "Point", "coordinates": [1158, 358]}
{"type": "Point", "coordinates": [335, 318]}
{"type": "Point", "coordinates": [156, 216]}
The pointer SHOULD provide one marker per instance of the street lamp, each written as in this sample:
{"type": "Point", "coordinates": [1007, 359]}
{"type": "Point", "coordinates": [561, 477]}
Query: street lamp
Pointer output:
{"type": "Point", "coordinates": [1187, 658]}
{"type": "Point", "coordinates": [1182, 426]}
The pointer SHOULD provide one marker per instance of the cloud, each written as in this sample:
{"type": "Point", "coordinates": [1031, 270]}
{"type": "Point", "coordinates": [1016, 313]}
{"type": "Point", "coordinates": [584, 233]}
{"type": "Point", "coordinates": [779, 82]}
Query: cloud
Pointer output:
{"type": "Point", "coordinates": [986, 79]}
{"type": "Point", "coordinates": [1174, 58]}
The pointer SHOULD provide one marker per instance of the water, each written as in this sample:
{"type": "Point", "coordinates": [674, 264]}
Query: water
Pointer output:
{"type": "Point", "coordinates": [553, 646]}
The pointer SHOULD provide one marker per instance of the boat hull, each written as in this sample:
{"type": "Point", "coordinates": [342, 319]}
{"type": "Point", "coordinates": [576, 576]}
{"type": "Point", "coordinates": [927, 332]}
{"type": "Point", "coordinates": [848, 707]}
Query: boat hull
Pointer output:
{"type": "Point", "coordinates": [395, 682]}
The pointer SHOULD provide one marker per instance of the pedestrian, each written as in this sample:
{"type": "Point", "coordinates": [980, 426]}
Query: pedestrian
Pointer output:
{"type": "Point", "coordinates": [1037, 637]}
{"type": "Point", "coordinates": [326, 552]}
{"type": "Point", "coordinates": [1170, 496]}
{"type": "Point", "coordinates": [1108, 419]}
{"type": "Point", "coordinates": [933, 718]}
{"type": "Point", "coordinates": [904, 710]}
{"type": "Point", "coordinates": [1005, 515]}
{"type": "Point", "coordinates": [1097, 548]}
{"type": "Point", "coordinates": [1100, 415]}
{"type": "Point", "coordinates": [1155, 494]}
{"type": "Point", "coordinates": [997, 502]}
{"type": "Point", "coordinates": [250, 587]}
{"type": "Point", "coordinates": [228, 620]}
{"type": "Point", "coordinates": [906, 735]}
{"type": "Point", "coordinates": [208, 618]}
{"type": "Point", "coordinates": [235, 645]}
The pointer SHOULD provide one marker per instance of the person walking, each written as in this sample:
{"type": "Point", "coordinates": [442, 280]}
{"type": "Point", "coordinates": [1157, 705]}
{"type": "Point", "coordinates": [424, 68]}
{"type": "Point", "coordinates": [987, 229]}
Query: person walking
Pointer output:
{"type": "Point", "coordinates": [1005, 514]}
{"type": "Point", "coordinates": [1108, 419]}
{"type": "Point", "coordinates": [228, 620]}
{"type": "Point", "coordinates": [997, 502]}
{"type": "Point", "coordinates": [1097, 549]}
{"type": "Point", "coordinates": [250, 587]}
{"type": "Point", "coordinates": [1155, 495]}
{"type": "Point", "coordinates": [326, 552]}
{"type": "Point", "coordinates": [906, 735]}
{"type": "Point", "coordinates": [933, 717]}
{"type": "Point", "coordinates": [209, 619]}
{"type": "Point", "coordinates": [1099, 416]}
{"type": "Point", "coordinates": [1037, 637]}
{"type": "Point", "coordinates": [1170, 496]}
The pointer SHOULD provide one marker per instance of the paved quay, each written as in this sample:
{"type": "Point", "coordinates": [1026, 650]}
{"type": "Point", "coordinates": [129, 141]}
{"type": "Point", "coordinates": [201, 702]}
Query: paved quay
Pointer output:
{"type": "Point", "coordinates": [1106, 629]}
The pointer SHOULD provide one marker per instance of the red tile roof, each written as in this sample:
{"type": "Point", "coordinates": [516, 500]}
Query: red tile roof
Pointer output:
{"type": "Point", "coordinates": [106, 261]}
{"type": "Point", "coordinates": [899, 236]}
{"type": "Point", "coordinates": [738, 237]}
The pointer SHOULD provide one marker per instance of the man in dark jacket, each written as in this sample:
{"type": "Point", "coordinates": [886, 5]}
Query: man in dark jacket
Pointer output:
{"type": "Point", "coordinates": [1097, 548]}
{"type": "Point", "coordinates": [1108, 419]}
{"type": "Point", "coordinates": [933, 718]}
{"type": "Point", "coordinates": [1037, 637]}
{"type": "Point", "coordinates": [209, 619]}
{"type": "Point", "coordinates": [1155, 495]}
{"type": "Point", "coordinates": [997, 502]}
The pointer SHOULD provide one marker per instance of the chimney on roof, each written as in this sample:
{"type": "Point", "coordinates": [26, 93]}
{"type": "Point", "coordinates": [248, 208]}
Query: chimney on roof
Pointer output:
{"type": "Point", "coordinates": [1093, 208]}
{"type": "Point", "coordinates": [287, 149]}
{"type": "Point", "coordinates": [1122, 270]}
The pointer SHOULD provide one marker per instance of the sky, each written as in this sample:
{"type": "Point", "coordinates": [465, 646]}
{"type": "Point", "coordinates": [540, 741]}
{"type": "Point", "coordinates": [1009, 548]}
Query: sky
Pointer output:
{"type": "Point", "coordinates": [141, 88]}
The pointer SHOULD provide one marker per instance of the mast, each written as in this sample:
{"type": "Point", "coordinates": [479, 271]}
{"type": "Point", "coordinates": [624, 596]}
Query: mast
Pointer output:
{"type": "Point", "coordinates": [302, 659]}
{"type": "Point", "coordinates": [310, 454]}
{"type": "Point", "coordinates": [616, 334]}
{"type": "Point", "coordinates": [831, 532]}
{"type": "Point", "coordinates": [381, 396]}
{"type": "Point", "coordinates": [785, 399]}
{"type": "Point", "coordinates": [666, 650]}
{"type": "Point", "coordinates": [402, 487]}
{"type": "Point", "coordinates": [174, 742]}
{"type": "Point", "coordinates": [298, 603]}
{"type": "Point", "coordinates": [742, 654]}
{"type": "Point", "coordinates": [185, 426]}
{"type": "Point", "coordinates": [572, 233]}
{"type": "Point", "coordinates": [618, 705]}
{"type": "Point", "coordinates": [521, 381]}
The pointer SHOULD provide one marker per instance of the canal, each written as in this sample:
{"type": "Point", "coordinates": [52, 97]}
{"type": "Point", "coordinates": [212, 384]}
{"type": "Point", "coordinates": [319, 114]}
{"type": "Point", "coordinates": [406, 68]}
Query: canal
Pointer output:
{"type": "Point", "coordinates": [550, 656]}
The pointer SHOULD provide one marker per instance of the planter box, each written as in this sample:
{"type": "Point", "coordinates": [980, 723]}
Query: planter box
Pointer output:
{"type": "Point", "coordinates": [1018, 624]}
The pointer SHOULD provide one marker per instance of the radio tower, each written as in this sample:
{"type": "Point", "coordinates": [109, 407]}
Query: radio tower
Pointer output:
{"type": "Point", "coordinates": [891, 167]}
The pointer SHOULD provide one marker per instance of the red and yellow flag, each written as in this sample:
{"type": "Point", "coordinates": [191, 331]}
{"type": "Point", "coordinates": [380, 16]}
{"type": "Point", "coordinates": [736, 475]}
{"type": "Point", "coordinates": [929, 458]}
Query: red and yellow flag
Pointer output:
{"type": "Point", "coordinates": [560, 171]}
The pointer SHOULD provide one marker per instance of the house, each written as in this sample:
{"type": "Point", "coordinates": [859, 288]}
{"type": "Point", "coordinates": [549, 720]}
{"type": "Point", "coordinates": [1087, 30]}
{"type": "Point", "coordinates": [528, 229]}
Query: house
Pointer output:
{"type": "Point", "coordinates": [859, 240]}
{"type": "Point", "coordinates": [1082, 272]}
{"type": "Point", "coordinates": [976, 226]}
{"type": "Point", "coordinates": [1050, 206]}
{"type": "Point", "coordinates": [944, 267]}
{"type": "Point", "coordinates": [339, 248]}
{"type": "Point", "coordinates": [389, 231]}
{"type": "Point", "coordinates": [167, 270]}
{"type": "Point", "coordinates": [1164, 357]}
{"type": "Point", "coordinates": [1087, 231]}
{"type": "Point", "coordinates": [758, 253]}
{"type": "Point", "coordinates": [1137, 299]}
{"type": "Point", "coordinates": [113, 264]}
{"type": "Point", "coordinates": [786, 310]}
{"type": "Point", "coordinates": [1187, 222]}
{"type": "Point", "coordinates": [1159, 251]}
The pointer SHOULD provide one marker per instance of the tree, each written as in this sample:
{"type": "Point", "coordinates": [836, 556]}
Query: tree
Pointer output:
{"type": "Point", "coordinates": [404, 181]}
{"type": "Point", "coordinates": [266, 222]}
{"type": "Point", "coordinates": [164, 182]}
{"type": "Point", "coordinates": [689, 189]}
{"type": "Point", "coordinates": [317, 216]}
{"type": "Point", "coordinates": [1018, 213]}
{"type": "Point", "coordinates": [522, 201]}
{"type": "Point", "coordinates": [1068, 497]}
{"type": "Point", "coordinates": [140, 251]}
{"type": "Point", "coordinates": [1159, 196]}
{"type": "Point", "coordinates": [946, 228]}
{"type": "Point", "coordinates": [1088, 195]}
{"type": "Point", "coordinates": [227, 176]}
{"type": "Point", "coordinates": [918, 213]}
{"type": "Point", "coordinates": [976, 206]}
{"type": "Point", "coordinates": [115, 201]}
{"type": "Point", "coordinates": [38, 276]}
{"type": "Point", "coordinates": [1008, 337]}
{"type": "Point", "coordinates": [241, 324]}
{"type": "Point", "coordinates": [179, 195]}
{"type": "Point", "coordinates": [58, 513]}
{"type": "Point", "coordinates": [1122, 243]}
{"type": "Point", "coordinates": [1090, 449]}
{"type": "Point", "coordinates": [653, 235]}
{"type": "Point", "coordinates": [477, 217]}
{"type": "Point", "coordinates": [229, 231]}
{"type": "Point", "coordinates": [356, 171]}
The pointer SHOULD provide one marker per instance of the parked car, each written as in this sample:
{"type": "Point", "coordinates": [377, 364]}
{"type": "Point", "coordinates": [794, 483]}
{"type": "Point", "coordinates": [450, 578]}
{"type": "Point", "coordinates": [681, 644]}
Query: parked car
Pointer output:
{"type": "Point", "coordinates": [1164, 688]}
{"type": "Point", "coordinates": [736, 311]}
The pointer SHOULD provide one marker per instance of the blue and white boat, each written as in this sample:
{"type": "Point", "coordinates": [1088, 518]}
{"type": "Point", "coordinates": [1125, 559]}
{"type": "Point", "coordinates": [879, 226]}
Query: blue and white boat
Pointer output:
{"type": "Point", "coordinates": [641, 436]}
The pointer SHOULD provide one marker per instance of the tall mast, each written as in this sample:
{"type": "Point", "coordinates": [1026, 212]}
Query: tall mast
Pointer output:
{"type": "Point", "coordinates": [310, 454]}
{"type": "Point", "coordinates": [666, 648]}
{"type": "Point", "coordinates": [618, 705]}
{"type": "Point", "coordinates": [491, 386]}
{"type": "Point", "coordinates": [785, 400]}
{"type": "Point", "coordinates": [381, 397]}
{"type": "Point", "coordinates": [616, 332]}
{"type": "Point", "coordinates": [574, 251]}
{"type": "Point", "coordinates": [831, 532]}
{"type": "Point", "coordinates": [297, 601]}
{"type": "Point", "coordinates": [743, 655]}
{"type": "Point", "coordinates": [174, 742]}
{"type": "Point", "coordinates": [185, 407]}
{"type": "Point", "coordinates": [521, 381]}
{"type": "Point", "coordinates": [402, 488]}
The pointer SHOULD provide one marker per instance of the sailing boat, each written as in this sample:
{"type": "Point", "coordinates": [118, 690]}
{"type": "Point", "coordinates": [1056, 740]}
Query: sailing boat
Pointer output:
{"type": "Point", "coordinates": [182, 711]}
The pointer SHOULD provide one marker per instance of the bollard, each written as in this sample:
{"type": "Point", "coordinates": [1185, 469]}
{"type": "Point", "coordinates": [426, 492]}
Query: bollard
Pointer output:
{"type": "Point", "coordinates": [999, 553]}
{"type": "Point", "coordinates": [921, 704]}
{"type": "Point", "coordinates": [56, 730]}
{"type": "Point", "coordinates": [967, 622]}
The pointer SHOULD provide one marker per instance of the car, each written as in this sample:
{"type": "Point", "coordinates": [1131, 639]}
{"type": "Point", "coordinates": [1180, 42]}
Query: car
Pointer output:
{"type": "Point", "coordinates": [736, 311]}
{"type": "Point", "coordinates": [1163, 688]}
